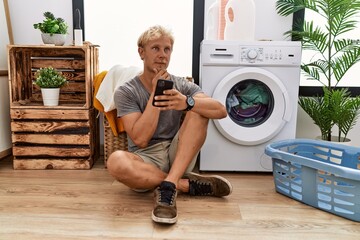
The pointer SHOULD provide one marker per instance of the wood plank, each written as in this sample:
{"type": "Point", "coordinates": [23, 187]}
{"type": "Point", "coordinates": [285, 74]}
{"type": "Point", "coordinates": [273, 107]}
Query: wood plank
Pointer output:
{"type": "Point", "coordinates": [39, 105]}
{"type": "Point", "coordinates": [73, 52]}
{"type": "Point", "coordinates": [47, 126]}
{"type": "Point", "coordinates": [59, 151]}
{"type": "Point", "coordinates": [72, 86]}
{"type": "Point", "coordinates": [69, 74]}
{"type": "Point", "coordinates": [64, 139]}
{"type": "Point", "coordinates": [69, 51]}
{"type": "Point", "coordinates": [59, 63]}
{"type": "Point", "coordinates": [64, 99]}
{"type": "Point", "coordinates": [74, 75]}
{"type": "Point", "coordinates": [91, 205]}
{"type": "Point", "coordinates": [4, 73]}
{"type": "Point", "coordinates": [58, 114]}
{"type": "Point", "coordinates": [8, 21]}
{"type": "Point", "coordinates": [58, 164]}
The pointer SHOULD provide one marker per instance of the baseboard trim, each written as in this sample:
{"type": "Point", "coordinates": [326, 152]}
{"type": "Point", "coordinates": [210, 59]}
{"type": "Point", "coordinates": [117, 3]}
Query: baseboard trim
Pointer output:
{"type": "Point", "coordinates": [4, 73]}
{"type": "Point", "coordinates": [5, 153]}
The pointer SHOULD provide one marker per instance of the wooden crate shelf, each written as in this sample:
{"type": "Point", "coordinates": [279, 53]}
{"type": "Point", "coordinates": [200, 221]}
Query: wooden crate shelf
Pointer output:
{"type": "Point", "coordinates": [59, 137]}
{"type": "Point", "coordinates": [42, 141]}
{"type": "Point", "coordinates": [78, 64]}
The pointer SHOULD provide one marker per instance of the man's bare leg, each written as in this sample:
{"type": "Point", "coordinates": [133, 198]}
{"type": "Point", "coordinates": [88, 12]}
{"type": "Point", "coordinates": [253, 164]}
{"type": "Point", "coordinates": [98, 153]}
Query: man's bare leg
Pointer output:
{"type": "Point", "coordinates": [131, 170]}
{"type": "Point", "coordinates": [191, 137]}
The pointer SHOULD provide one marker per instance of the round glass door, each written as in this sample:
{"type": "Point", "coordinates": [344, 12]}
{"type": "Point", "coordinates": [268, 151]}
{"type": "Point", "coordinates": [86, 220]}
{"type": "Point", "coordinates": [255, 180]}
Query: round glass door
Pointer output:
{"type": "Point", "coordinates": [257, 104]}
{"type": "Point", "coordinates": [249, 103]}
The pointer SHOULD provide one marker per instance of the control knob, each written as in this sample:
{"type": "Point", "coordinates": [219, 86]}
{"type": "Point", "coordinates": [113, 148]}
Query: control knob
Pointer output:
{"type": "Point", "coordinates": [252, 54]}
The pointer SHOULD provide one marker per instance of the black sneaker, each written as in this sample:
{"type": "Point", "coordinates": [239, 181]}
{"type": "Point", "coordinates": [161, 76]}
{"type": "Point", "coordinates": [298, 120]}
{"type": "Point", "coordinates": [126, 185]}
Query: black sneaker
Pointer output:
{"type": "Point", "coordinates": [165, 203]}
{"type": "Point", "coordinates": [214, 185]}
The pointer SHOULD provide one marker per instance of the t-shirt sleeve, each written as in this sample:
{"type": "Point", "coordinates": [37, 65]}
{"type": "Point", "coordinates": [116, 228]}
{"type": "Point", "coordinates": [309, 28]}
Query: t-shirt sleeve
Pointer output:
{"type": "Point", "coordinates": [187, 88]}
{"type": "Point", "coordinates": [124, 101]}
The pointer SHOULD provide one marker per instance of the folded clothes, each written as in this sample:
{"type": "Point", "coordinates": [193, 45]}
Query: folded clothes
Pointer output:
{"type": "Point", "coordinates": [114, 122]}
{"type": "Point", "coordinates": [105, 84]}
{"type": "Point", "coordinates": [115, 77]}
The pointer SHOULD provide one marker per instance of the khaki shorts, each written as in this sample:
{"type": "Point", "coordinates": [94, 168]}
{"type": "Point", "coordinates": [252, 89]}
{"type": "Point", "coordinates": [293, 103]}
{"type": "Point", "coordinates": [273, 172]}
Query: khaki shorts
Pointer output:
{"type": "Point", "coordinates": [162, 155]}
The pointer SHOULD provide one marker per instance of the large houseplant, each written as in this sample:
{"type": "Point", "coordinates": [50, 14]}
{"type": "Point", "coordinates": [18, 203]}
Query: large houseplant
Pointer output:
{"type": "Point", "coordinates": [54, 30]}
{"type": "Point", "coordinates": [332, 57]}
{"type": "Point", "coordinates": [50, 81]}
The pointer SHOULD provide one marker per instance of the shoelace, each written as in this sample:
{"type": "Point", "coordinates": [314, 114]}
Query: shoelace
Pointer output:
{"type": "Point", "coordinates": [166, 195]}
{"type": "Point", "coordinates": [200, 188]}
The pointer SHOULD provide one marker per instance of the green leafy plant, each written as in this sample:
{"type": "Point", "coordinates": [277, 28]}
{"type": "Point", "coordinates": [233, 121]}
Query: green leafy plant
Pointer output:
{"type": "Point", "coordinates": [332, 57]}
{"type": "Point", "coordinates": [52, 25]}
{"type": "Point", "coordinates": [49, 78]}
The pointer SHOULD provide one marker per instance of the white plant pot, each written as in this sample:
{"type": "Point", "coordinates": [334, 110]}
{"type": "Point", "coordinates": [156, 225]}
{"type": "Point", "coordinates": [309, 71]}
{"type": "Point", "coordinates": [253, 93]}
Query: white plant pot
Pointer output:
{"type": "Point", "coordinates": [50, 96]}
{"type": "Point", "coordinates": [57, 39]}
{"type": "Point", "coordinates": [334, 139]}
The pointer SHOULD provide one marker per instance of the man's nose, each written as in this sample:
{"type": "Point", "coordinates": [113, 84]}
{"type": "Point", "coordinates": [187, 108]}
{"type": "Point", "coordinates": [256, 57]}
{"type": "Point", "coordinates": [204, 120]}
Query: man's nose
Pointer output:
{"type": "Point", "coordinates": [162, 53]}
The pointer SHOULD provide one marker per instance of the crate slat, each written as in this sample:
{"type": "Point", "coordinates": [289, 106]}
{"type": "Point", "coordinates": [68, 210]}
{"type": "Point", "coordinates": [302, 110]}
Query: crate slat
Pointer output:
{"type": "Point", "coordinates": [61, 164]}
{"type": "Point", "coordinates": [70, 75]}
{"type": "Point", "coordinates": [69, 139]}
{"type": "Point", "coordinates": [47, 126]}
{"type": "Point", "coordinates": [30, 151]}
{"type": "Point", "coordinates": [73, 64]}
{"type": "Point", "coordinates": [44, 113]}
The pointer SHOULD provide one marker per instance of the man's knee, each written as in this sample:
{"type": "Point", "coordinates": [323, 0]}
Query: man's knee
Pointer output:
{"type": "Point", "coordinates": [116, 163]}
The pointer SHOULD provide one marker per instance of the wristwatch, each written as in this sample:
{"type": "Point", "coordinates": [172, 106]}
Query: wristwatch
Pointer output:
{"type": "Point", "coordinates": [190, 103]}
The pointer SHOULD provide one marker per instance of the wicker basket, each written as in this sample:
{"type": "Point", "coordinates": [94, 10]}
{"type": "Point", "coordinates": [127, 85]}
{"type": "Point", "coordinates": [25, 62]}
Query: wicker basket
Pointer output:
{"type": "Point", "coordinates": [112, 142]}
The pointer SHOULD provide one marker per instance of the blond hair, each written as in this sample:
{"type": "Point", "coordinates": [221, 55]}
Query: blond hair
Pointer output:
{"type": "Point", "coordinates": [155, 32]}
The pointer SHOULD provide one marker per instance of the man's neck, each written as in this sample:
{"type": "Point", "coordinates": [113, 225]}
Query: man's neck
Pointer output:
{"type": "Point", "coordinates": [146, 80]}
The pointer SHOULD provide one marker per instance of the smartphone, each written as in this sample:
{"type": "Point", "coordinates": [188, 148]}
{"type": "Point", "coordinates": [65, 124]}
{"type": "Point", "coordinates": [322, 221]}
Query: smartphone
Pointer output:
{"type": "Point", "coordinates": [161, 86]}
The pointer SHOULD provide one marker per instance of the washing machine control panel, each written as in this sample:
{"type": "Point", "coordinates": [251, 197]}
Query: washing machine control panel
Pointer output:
{"type": "Point", "coordinates": [260, 55]}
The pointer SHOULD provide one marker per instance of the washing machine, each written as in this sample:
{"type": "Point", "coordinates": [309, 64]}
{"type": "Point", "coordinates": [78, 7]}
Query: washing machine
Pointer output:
{"type": "Point", "coordinates": [258, 82]}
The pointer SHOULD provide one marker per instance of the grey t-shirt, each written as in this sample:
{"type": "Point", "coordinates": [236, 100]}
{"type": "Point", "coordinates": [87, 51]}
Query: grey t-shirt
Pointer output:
{"type": "Point", "coordinates": [133, 97]}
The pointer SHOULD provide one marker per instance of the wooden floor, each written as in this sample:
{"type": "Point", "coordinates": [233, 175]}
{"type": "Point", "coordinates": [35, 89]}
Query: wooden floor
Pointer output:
{"type": "Point", "coordinates": [89, 204]}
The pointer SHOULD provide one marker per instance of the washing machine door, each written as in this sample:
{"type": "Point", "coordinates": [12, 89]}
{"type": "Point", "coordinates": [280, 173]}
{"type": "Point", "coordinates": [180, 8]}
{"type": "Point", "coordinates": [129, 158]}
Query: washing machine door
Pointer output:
{"type": "Point", "coordinates": [257, 104]}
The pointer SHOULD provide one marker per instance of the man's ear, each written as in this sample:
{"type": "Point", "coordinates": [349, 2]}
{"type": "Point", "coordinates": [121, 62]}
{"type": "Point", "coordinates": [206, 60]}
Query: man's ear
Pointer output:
{"type": "Point", "coordinates": [141, 52]}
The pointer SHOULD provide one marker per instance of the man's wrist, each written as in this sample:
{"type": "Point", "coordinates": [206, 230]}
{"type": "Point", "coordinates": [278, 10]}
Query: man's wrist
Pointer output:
{"type": "Point", "coordinates": [190, 102]}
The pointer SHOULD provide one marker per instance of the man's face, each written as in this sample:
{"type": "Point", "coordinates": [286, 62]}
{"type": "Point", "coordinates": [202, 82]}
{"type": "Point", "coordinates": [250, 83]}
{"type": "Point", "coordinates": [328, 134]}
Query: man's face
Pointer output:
{"type": "Point", "coordinates": [156, 53]}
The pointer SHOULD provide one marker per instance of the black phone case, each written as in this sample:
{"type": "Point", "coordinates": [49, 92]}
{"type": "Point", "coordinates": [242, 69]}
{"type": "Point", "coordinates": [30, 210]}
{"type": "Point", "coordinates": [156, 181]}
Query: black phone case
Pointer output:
{"type": "Point", "coordinates": [161, 86]}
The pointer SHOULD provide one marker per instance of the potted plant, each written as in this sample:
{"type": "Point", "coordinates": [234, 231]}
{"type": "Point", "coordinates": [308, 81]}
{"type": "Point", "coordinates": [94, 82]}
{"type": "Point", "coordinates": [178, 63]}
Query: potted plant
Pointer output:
{"type": "Point", "coordinates": [54, 30]}
{"type": "Point", "coordinates": [332, 57]}
{"type": "Point", "coordinates": [50, 81]}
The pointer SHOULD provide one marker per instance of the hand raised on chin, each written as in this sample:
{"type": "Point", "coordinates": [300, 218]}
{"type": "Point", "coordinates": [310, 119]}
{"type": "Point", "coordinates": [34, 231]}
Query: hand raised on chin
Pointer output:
{"type": "Point", "coordinates": [159, 74]}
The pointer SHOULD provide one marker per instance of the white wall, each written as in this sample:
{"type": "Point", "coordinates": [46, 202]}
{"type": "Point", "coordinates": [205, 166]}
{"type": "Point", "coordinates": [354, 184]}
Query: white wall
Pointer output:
{"type": "Point", "coordinates": [25, 13]}
{"type": "Point", "coordinates": [117, 31]}
{"type": "Point", "coordinates": [5, 133]}
{"type": "Point", "coordinates": [268, 26]}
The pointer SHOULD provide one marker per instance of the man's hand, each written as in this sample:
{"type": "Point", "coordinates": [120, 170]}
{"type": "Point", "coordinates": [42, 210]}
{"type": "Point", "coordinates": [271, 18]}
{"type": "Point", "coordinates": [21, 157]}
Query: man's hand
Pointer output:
{"type": "Point", "coordinates": [173, 100]}
{"type": "Point", "coordinates": [160, 74]}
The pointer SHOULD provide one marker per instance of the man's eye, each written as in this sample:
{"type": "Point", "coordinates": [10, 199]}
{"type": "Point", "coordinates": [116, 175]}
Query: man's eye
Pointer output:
{"type": "Point", "coordinates": [155, 48]}
{"type": "Point", "coordinates": [167, 50]}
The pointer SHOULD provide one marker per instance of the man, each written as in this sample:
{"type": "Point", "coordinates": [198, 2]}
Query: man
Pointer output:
{"type": "Point", "coordinates": [161, 153]}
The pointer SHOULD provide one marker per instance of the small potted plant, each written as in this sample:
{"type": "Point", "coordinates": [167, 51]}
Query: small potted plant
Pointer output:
{"type": "Point", "coordinates": [333, 55]}
{"type": "Point", "coordinates": [54, 30]}
{"type": "Point", "coordinates": [50, 81]}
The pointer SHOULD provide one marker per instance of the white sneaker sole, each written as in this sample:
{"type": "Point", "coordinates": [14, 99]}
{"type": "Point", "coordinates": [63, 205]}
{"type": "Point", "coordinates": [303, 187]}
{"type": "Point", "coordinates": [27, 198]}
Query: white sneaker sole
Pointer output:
{"type": "Point", "coordinates": [163, 220]}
